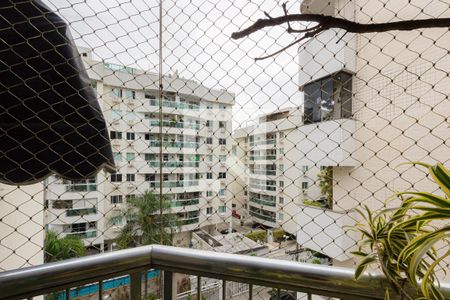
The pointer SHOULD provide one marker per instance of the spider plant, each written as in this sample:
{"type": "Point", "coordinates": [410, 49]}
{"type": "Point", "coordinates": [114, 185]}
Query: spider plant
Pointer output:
{"type": "Point", "coordinates": [382, 243]}
{"type": "Point", "coordinates": [433, 208]}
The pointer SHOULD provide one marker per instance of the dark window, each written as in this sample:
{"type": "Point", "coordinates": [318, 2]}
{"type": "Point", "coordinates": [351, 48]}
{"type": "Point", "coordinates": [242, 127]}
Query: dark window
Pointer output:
{"type": "Point", "coordinates": [222, 124]}
{"type": "Point", "coordinates": [115, 135]}
{"type": "Point", "coordinates": [222, 175]}
{"type": "Point", "coordinates": [115, 199]}
{"type": "Point", "coordinates": [209, 175]}
{"type": "Point", "coordinates": [130, 136]}
{"type": "Point", "coordinates": [222, 141]}
{"type": "Point", "coordinates": [116, 177]}
{"type": "Point", "coordinates": [328, 98]}
{"type": "Point", "coordinates": [149, 177]}
{"type": "Point", "coordinates": [209, 140]}
{"type": "Point", "coordinates": [131, 177]}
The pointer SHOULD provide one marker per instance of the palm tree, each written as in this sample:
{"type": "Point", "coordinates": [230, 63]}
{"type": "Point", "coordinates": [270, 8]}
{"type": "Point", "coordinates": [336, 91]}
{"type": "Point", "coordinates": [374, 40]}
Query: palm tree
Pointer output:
{"type": "Point", "coordinates": [144, 220]}
{"type": "Point", "coordinates": [59, 249]}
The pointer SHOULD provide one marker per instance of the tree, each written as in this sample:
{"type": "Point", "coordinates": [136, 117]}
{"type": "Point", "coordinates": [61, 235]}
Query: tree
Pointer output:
{"type": "Point", "coordinates": [323, 22]}
{"type": "Point", "coordinates": [325, 178]}
{"type": "Point", "coordinates": [146, 222]}
{"type": "Point", "coordinates": [59, 249]}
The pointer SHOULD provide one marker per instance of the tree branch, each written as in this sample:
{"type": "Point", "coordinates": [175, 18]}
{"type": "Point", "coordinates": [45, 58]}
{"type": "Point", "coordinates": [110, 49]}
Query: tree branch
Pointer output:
{"type": "Point", "coordinates": [327, 22]}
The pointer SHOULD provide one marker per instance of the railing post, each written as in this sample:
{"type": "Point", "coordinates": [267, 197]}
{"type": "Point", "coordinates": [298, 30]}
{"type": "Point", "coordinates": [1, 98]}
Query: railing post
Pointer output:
{"type": "Point", "coordinates": [136, 286]}
{"type": "Point", "coordinates": [169, 292]}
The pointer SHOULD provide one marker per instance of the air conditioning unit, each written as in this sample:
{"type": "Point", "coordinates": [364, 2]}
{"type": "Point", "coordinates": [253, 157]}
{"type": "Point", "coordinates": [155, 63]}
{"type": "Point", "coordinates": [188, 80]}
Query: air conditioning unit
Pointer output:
{"type": "Point", "coordinates": [116, 101]}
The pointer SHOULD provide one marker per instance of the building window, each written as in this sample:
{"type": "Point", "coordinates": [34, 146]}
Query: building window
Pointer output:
{"type": "Point", "coordinates": [328, 98]}
{"type": "Point", "coordinates": [305, 168]}
{"type": "Point", "coordinates": [222, 141]}
{"type": "Point", "coordinates": [116, 220]}
{"type": "Point", "coordinates": [234, 150]}
{"type": "Point", "coordinates": [209, 123]}
{"type": "Point", "coordinates": [210, 157]}
{"type": "Point", "coordinates": [281, 167]}
{"type": "Point", "coordinates": [131, 156]}
{"type": "Point", "coordinates": [150, 96]}
{"type": "Point", "coordinates": [222, 158]}
{"type": "Point", "coordinates": [116, 177]}
{"type": "Point", "coordinates": [222, 175]}
{"type": "Point", "coordinates": [281, 200]}
{"type": "Point", "coordinates": [116, 199]}
{"type": "Point", "coordinates": [209, 140]}
{"type": "Point", "coordinates": [280, 216]}
{"type": "Point", "coordinates": [281, 184]}
{"type": "Point", "coordinates": [130, 136]}
{"type": "Point", "coordinates": [222, 124]}
{"type": "Point", "coordinates": [209, 175]}
{"type": "Point", "coordinates": [222, 209]}
{"type": "Point", "coordinates": [116, 92]}
{"type": "Point", "coordinates": [209, 193]}
{"type": "Point", "coordinates": [131, 177]}
{"type": "Point", "coordinates": [304, 185]}
{"type": "Point", "coordinates": [222, 192]}
{"type": "Point", "coordinates": [117, 156]}
{"type": "Point", "coordinates": [149, 156]}
{"type": "Point", "coordinates": [209, 210]}
{"type": "Point", "coordinates": [115, 135]}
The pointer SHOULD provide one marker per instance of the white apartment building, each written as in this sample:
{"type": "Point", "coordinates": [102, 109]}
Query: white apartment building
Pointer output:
{"type": "Point", "coordinates": [281, 157]}
{"type": "Point", "coordinates": [371, 102]}
{"type": "Point", "coordinates": [196, 131]}
{"type": "Point", "coordinates": [393, 89]}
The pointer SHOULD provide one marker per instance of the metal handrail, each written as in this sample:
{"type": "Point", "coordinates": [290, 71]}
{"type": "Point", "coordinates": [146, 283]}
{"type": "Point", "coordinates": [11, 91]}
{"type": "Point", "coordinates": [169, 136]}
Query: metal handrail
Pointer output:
{"type": "Point", "coordinates": [309, 278]}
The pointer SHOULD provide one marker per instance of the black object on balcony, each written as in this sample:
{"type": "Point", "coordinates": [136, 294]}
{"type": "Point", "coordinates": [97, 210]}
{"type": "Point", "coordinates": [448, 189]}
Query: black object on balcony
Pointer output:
{"type": "Point", "coordinates": [50, 119]}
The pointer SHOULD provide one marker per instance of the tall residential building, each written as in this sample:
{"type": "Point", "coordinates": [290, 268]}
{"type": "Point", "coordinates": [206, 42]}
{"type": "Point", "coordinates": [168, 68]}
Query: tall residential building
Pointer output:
{"type": "Point", "coordinates": [282, 157]}
{"type": "Point", "coordinates": [196, 143]}
{"type": "Point", "coordinates": [394, 87]}
{"type": "Point", "coordinates": [371, 102]}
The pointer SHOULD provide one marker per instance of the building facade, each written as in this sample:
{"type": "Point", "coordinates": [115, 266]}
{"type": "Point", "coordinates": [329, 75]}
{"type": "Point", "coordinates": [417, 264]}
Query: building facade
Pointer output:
{"type": "Point", "coordinates": [196, 142]}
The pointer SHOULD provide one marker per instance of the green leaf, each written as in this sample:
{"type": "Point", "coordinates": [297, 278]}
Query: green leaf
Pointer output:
{"type": "Point", "coordinates": [363, 264]}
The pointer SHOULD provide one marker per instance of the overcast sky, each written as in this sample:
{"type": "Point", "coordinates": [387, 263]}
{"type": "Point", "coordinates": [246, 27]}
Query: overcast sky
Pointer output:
{"type": "Point", "coordinates": [197, 44]}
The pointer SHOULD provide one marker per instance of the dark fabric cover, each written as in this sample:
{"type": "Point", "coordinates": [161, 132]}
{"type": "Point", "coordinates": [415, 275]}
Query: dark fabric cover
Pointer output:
{"type": "Point", "coordinates": [50, 119]}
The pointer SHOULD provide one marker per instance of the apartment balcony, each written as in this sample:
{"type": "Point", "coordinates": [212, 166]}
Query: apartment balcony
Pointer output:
{"type": "Point", "coordinates": [174, 164]}
{"type": "Point", "coordinates": [173, 144]}
{"type": "Point", "coordinates": [324, 231]}
{"type": "Point", "coordinates": [256, 273]}
{"type": "Point", "coordinates": [175, 105]}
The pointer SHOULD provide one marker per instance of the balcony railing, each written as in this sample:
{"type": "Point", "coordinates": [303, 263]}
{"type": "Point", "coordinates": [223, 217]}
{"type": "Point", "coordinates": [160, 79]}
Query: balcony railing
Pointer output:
{"type": "Point", "coordinates": [175, 124]}
{"type": "Point", "coordinates": [83, 234]}
{"type": "Point", "coordinates": [188, 221]}
{"type": "Point", "coordinates": [263, 187]}
{"type": "Point", "coordinates": [310, 279]}
{"type": "Point", "coordinates": [173, 104]}
{"type": "Point", "coordinates": [81, 187]}
{"type": "Point", "coordinates": [81, 212]}
{"type": "Point", "coordinates": [174, 164]}
{"type": "Point", "coordinates": [167, 144]}
{"type": "Point", "coordinates": [185, 202]}
{"type": "Point", "coordinates": [174, 184]}
{"type": "Point", "coordinates": [263, 142]}
{"type": "Point", "coordinates": [262, 216]}
{"type": "Point", "coordinates": [262, 202]}
{"type": "Point", "coordinates": [264, 172]}
{"type": "Point", "coordinates": [263, 157]}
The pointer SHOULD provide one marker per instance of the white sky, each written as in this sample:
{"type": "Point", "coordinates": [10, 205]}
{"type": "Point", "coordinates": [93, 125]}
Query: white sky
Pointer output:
{"type": "Point", "coordinates": [197, 44]}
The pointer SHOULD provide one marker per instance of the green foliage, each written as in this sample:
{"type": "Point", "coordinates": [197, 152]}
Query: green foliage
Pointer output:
{"type": "Point", "coordinates": [312, 203]}
{"type": "Point", "coordinates": [401, 241]}
{"type": "Point", "coordinates": [257, 235]}
{"type": "Point", "coordinates": [432, 207]}
{"type": "Point", "coordinates": [59, 249]}
{"type": "Point", "coordinates": [143, 225]}
{"type": "Point", "coordinates": [261, 235]}
{"type": "Point", "coordinates": [325, 178]}
{"type": "Point", "coordinates": [383, 242]}
{"type": "Point", "coordinates": [316, 261]}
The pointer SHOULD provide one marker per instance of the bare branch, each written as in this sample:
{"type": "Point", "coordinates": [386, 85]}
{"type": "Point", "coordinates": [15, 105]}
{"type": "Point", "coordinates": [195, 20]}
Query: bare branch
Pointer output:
{"type": "Point", "coordinates": [305, 36]}
{"type": "Point", "coordinates": [327, 22]}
